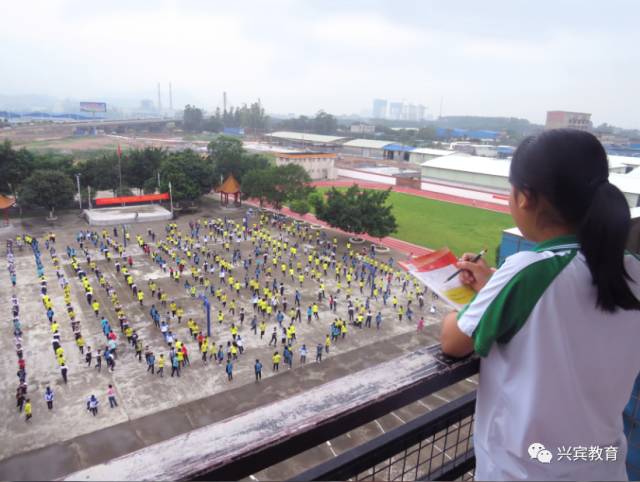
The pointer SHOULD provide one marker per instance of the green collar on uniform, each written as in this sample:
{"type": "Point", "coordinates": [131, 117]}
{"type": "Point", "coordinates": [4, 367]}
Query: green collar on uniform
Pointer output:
{"type": "Point", "coordinates": [569, 241]}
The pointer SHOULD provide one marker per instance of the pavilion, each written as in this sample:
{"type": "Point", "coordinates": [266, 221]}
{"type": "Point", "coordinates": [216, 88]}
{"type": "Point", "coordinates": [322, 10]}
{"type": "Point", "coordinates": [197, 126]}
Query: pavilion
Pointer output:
{"type": "Point", "coordinates": [230, 187]}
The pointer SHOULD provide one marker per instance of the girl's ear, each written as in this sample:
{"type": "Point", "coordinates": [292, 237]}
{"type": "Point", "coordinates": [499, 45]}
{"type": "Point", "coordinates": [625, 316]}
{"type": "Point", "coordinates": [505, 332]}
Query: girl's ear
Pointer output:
{"type": "Point", "coordinates": [525, 199]}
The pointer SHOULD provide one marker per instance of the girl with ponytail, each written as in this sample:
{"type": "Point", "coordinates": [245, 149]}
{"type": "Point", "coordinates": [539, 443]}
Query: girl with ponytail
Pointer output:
{"type": "Point", "coordinates": [557, 328]}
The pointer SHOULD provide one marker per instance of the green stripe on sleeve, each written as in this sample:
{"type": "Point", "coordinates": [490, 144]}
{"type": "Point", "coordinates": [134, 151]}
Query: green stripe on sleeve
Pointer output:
{"type": "Point", "coordinates": [509, 311]}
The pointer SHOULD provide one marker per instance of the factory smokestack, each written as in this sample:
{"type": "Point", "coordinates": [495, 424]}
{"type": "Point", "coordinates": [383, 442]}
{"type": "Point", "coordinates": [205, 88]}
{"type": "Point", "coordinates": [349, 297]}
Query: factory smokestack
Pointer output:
{"type": "Point", "coordinates": [159, 99]}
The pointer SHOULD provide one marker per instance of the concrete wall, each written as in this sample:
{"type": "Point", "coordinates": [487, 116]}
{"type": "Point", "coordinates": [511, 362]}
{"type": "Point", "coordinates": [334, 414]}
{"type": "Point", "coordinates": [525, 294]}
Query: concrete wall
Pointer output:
{"type": "Point", "coordinates": [366, 176]}
{"type": "Point", "coordinates": [481, 180]}
{"type": "Point", "coordinates": [368, 153]}
{"type": "Point", "coordinates": [113, 216]}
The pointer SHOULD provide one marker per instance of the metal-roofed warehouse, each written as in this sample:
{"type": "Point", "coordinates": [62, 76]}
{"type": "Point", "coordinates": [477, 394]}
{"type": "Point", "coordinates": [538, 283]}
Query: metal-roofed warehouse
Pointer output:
{"type": "Point", "coordinates": [423, 154]}
{"type": "Point", "coordinates": [494, 174]}
{"type": "Point", "coordinates": [372, 149]}
{"type": "Point", "coordinates": [302, 140]}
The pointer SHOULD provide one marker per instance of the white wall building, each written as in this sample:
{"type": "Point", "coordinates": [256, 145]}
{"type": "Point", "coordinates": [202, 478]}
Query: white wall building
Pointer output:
{"type": "Point", "coordinates": [320, 165]}
{"type": "Point", "coordinates": [560, 119]}
{"type": "Point", "coordinates": [493, 174]}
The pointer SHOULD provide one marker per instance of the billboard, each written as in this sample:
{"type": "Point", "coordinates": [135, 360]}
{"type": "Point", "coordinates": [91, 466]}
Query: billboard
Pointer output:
{"type": "Point", "coordinates": [93, 106]}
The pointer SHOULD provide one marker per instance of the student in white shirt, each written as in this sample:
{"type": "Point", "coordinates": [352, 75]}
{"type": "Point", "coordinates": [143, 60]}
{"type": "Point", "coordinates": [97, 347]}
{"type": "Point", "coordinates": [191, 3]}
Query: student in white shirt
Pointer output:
{"type": "Point", "coordinates": [558, 327]}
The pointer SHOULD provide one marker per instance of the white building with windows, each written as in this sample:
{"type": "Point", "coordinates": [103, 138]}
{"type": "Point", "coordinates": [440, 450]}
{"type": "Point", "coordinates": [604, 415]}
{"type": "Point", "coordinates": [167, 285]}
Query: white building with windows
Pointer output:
{"type": "Point", "coordinates": [319, 165]}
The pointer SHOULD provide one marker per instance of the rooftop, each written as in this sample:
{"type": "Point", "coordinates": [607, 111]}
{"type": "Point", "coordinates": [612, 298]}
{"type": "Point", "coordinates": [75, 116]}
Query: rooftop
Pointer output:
{"type": "Point", "coordinates": [229, 186]}
{"type": "Point", "coordinates": [432, 151]}
{"type": "Point", "coordinates": [303, 136]}
{"type": "Point", "coordinates": [398, 148]}
{"type": "Point", "coordinates": [624, 160]}
{"type": "Point", "coordinates": [367, 143]}
{"type": "Point", "coordinates": [289, 154]}
{"type": "Point", "coordinates": [500, 167]}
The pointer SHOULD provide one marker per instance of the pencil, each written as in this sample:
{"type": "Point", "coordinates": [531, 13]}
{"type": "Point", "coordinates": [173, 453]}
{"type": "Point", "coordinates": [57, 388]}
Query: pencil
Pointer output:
{"type": "Point", "coordinates": [474, 260]}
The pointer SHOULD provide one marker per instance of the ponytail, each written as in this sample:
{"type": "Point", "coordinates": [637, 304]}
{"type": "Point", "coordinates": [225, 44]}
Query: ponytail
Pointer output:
{"type": "Point", "coordinates": [569, 168]}
{"type": "Point", "coordinates": [602, 235]}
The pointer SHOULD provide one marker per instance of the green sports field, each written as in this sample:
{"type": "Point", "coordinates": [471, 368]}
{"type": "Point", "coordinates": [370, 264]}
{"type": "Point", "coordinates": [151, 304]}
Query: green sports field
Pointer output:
{"type": "Point", "coordinates": [435, 224]}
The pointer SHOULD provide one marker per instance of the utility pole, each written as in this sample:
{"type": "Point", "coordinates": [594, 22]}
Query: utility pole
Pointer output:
{"type": "Point", "coordinates": [120, 169]}
{"type": "Point", "coordinates": [79, 194]}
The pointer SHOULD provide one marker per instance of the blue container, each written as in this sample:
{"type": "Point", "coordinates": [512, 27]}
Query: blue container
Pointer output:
{"type": "Point", "coordinates": [512, 242]}
{"type": "Point", "coordinates": [631, 418]}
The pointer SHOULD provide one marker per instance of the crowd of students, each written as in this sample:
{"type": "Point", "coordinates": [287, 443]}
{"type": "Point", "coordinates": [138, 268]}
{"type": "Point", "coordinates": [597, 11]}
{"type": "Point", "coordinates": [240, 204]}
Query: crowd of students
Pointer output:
{"type": "Point", "coordinates": [286, 261]}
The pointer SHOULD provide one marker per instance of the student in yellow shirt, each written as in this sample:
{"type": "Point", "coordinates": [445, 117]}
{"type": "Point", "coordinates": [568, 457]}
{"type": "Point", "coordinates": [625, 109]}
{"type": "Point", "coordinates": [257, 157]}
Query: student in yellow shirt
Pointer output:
{"type": "Point", "coordinates": [161, 366]}
{"type": "Point", "coordinates": [276, 361]}
{"type": "Point", "coordinates": [27, 410]}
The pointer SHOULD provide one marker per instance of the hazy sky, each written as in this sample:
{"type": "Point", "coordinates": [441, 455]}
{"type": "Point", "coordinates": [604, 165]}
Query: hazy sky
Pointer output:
{"type": "Point", "coordinates": [483, 57]}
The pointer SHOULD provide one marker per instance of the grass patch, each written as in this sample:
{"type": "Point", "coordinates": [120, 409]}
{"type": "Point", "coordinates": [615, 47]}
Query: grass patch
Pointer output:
{"type": "Point", "coordinates": [435, 224]}
{"type": "Point", "coordinates": [200, 137]}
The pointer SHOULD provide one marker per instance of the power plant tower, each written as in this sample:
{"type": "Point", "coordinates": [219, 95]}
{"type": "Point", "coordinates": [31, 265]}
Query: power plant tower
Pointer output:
{"type": "Point", "coordinates": [170, 98]}
{"type": "Point", "coordinates": [159, 99]}
{"type": "Point", "coordinates": [224, 102]}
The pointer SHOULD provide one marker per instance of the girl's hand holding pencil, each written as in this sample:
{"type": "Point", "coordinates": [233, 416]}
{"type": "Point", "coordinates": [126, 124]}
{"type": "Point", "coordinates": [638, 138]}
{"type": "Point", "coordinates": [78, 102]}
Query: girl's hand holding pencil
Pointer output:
{"type": "Point", "coordinates": [474, 271]}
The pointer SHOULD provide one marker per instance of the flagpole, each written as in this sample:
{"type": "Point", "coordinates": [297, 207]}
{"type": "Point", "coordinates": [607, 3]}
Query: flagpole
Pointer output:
{"type": "Point", "coordinates": [171, 199]}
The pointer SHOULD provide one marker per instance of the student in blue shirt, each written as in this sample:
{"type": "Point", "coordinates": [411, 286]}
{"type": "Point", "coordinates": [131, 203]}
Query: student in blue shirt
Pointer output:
{"type": "Point", "coordinates": [229, 370]}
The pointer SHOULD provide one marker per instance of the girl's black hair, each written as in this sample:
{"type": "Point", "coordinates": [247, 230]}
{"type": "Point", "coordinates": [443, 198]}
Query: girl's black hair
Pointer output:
{"type": "Point", "coordinates": [569, 168]}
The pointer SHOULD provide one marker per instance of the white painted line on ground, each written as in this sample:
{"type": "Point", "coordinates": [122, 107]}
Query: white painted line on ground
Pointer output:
{"type": "Point", "coordinates": [440, 397]}
{"type": "Point", "coordinates": [348, 434]}
{"type": "Point", "coordinates": [380, 427]}
{"type": "Point", "coordinates": [331, 448]}
{"type": "Point", "coordinates": [397, 416]}
{"type": "Point", "coordinates": [253, 477]}
{"type": "Point", "coordinates": [471, 380]}
{"type": "Point", "coordinates": [424, 404]}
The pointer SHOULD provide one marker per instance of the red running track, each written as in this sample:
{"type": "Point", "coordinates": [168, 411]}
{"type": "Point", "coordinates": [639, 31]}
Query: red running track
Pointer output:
{"type": "Point", "coordinates": [450, 198]}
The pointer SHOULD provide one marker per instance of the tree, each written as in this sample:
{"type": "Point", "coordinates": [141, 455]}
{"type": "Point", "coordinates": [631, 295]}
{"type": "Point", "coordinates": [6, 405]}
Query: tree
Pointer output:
{"type": "Point", "coordinates": [325, 123]}
{"type": "Point", "coordinates": [54, 162]}
{"type": "Point", "coordinates": [212, 124]}
{"type": "Point", "coordinates": [292, 183]}
{"type": "Point", "coordinates": [192, 119]}
{"type": "Point", "coordinates": [47, 188]}
{"type": "Point", "coordinates": [141, 164]}
{"type": "Point", "coordinates": [257, 184]}
{"type": "Point", "coordinates": [150, 185]}
{"type": "Point", "coordinates": [357, 211]}
{"type": "Point", "coordinates": [300, 206]}
{"type": "Point", "coordinates": [15, 166]}
{"type": "Point", "coordinates": [229, 157]}
{"type": "Point", "coordinates": [190, 175]}
{"type": "Point", "coordinates": [101, 173]}
{"type": "Point", "coordinates": [277, 185]}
